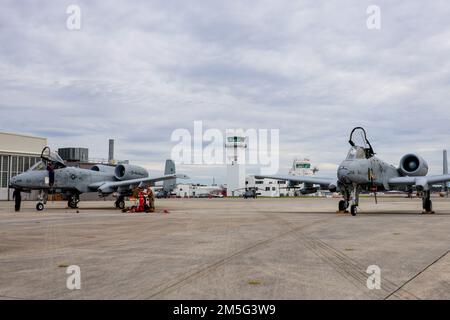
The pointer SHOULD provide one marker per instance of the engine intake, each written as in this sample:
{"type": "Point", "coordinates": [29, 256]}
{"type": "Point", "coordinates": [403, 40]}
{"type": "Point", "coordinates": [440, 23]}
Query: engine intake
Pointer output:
{"type": "Point", "coordinates": [413, 165]}
{"type": "Point", "coordinates": [103, 168]}
{"type": "Point", "coordinates": [128, 172]}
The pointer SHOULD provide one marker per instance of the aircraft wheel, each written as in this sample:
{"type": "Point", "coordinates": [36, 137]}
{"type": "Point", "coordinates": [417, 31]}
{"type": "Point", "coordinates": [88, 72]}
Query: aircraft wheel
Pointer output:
{"type": "Point", "coordinates": [342, 205]}
{"type": "Point", "coordinates": [39, 206]}
{"type": "Point", "coordinates": [120, 204]}
{"type": "Point", "coordinates": [428, 205]}
{"type": "Point", "coordinates": [354, 210]}
{"type": "Point", "coordinates": [72, 204]}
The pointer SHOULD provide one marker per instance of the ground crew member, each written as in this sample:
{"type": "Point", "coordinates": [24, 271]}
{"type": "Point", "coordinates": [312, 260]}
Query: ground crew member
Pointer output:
{"type": "Point", "coordinates": [141, 203]}
{"type": "Point", "coordinates": [51, 174]}
{"type": "Point", "coordinates": [136, 193]}
{"type": "Point", "coordinates": [17, 196]}
{"type": "Point", "coordinates": [151, 200]}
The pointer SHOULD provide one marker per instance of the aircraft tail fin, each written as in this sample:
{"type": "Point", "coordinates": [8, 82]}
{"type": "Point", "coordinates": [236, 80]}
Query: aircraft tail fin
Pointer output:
{"type": "Point", "coordinates": [445, 163]}
{"type": "Point", "coordinates": [445, 171]}
{"type": "Point", "coordinates": [169, 185]}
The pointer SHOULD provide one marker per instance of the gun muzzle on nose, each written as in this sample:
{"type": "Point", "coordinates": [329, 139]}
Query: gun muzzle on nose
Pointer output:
{"type": "Point", "coordinates": [12, 182]}
{"type": "Point", "coordinates": [343, 174]}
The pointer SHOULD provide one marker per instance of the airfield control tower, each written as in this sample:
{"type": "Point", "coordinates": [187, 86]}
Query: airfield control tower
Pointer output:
{"type": "Point", "coordinates": [302, 168]}
{"type": "Point", "coordinates": [235, 150]}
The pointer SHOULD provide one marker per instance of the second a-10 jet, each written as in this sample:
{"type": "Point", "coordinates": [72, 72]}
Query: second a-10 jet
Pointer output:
{"type": "Point", "coordinates": [363, 171]}
{"type": "Point", "coordinates": [102, 179]}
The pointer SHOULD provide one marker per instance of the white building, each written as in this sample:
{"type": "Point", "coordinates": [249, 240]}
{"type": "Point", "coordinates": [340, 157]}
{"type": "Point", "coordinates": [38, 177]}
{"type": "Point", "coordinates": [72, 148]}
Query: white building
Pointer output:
{"type": "Point", "coordinates": [194, 191]}
{"type": "Point", "coordinates": [267, 187]}
{"type": "Point", "coordinates": [17, 154]}
{"type": "Point", "coordinates": [278, 188]}
{"type": "Point", "coordinates": [235, 150]}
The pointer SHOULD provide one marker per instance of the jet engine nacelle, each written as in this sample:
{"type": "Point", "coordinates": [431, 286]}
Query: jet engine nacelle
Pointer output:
{"type": "Point", "coordinates": [332, 187]}
{"type": "Point", "coordinates": [292, 184]}
{"type": "Point", "coordinates": [128, 172]}
{"type": "Point", "coordinates": [413, 165]}
{"type": "Point", "coordinates": [308, 190]}
{"type": "Point", "coordinates": [103, 168]}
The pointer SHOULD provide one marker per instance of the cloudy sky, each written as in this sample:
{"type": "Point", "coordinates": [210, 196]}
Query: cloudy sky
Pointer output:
{"type": "Point", "coordinates": [137, 70]}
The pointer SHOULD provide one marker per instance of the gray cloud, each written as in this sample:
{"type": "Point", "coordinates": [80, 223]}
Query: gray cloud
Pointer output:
{"type": "Point", "coordinates": [140, 69]}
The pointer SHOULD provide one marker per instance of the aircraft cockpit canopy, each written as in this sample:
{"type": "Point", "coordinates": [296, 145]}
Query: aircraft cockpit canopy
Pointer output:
{"type": "Point", "coordinates": [360, 152]}
{"type": "Point", "coordinates": [356, 153]}
{"type": "Point", "coordinates": [52, 157]}
{"type": "Point", "coordinates": [38, 166]}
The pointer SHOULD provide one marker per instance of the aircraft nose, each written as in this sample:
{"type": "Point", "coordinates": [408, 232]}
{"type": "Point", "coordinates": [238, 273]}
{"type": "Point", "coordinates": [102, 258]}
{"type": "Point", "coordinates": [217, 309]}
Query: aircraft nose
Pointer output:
{"type": "Point", "coordinates": [343, 174]}
{"type": "Point", "coordinates": [12, 182]}
{"type": "Point", "coordinates": [16, 181]}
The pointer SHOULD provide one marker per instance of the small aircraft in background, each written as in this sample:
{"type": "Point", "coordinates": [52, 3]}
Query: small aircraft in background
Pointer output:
{"type": "Point", "coordinates": [72, 181]}
{"type": "Point", "coordinates": [363, 171]}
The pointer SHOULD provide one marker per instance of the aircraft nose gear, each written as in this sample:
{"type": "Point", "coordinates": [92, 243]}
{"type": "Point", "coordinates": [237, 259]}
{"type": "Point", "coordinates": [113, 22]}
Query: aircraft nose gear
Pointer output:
{"type": "Point", "coordinates": [352, 197]}
{"type": "Point", "coordinates": [73, 201]}
{"type": "Point", "coordinates": [355, 201]}
{"type": "Point", "coordinates": [42, 199]}
{"type": "Point", "coordinates": [427, 204]}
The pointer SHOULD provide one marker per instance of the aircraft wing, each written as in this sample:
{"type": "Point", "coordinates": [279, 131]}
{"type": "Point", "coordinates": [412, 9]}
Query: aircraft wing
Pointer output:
{"type": "Point", "coordinates": [111, 186]}
{"type": "Point", "coordinates": [301, 179]}
{"type": "Point", "coordinates": [421, 181]}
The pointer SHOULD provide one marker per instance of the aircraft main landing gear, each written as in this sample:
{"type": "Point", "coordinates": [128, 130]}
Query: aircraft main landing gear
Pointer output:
{"type": "Point", "coordinates": [343, 205]}
{"type": "Point", "coordinates": [120, 202]}
{"type": "Point", "coordinates": [73, 201]}
{"type": "Point", "coordinates": [427, 204]}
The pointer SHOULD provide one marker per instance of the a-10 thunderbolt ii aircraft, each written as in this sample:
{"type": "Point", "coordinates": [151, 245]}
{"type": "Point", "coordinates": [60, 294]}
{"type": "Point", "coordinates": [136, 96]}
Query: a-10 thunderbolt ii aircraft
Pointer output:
{"type": "Point", "coordinates": [363, 171]}
{"type": "Point", "coordinates": [73, 181]}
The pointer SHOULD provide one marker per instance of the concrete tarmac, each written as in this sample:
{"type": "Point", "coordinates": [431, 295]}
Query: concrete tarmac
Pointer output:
{"type": "Point", "coordinates": [227, 249]}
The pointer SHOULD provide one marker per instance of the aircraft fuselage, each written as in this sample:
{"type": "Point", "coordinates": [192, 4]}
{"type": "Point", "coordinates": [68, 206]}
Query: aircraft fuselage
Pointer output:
{"type": "Point", "coordinates": [371, 171]}
{"type": "Point", "coordinates": [69, 178]}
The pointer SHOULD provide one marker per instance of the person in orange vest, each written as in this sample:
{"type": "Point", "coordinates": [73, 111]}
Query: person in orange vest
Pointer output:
{"type": "Point", "coordinates": [141, 204]}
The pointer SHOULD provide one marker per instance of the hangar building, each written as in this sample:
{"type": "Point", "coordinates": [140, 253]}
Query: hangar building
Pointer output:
{"type": "Point", "coordinates": [17, 154]}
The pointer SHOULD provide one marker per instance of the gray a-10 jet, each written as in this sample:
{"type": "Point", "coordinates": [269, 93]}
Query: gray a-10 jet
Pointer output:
{"type": "Point", "coordinates": [72, 181]}
{"type": "Point", "coordinates": [363, 171]}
